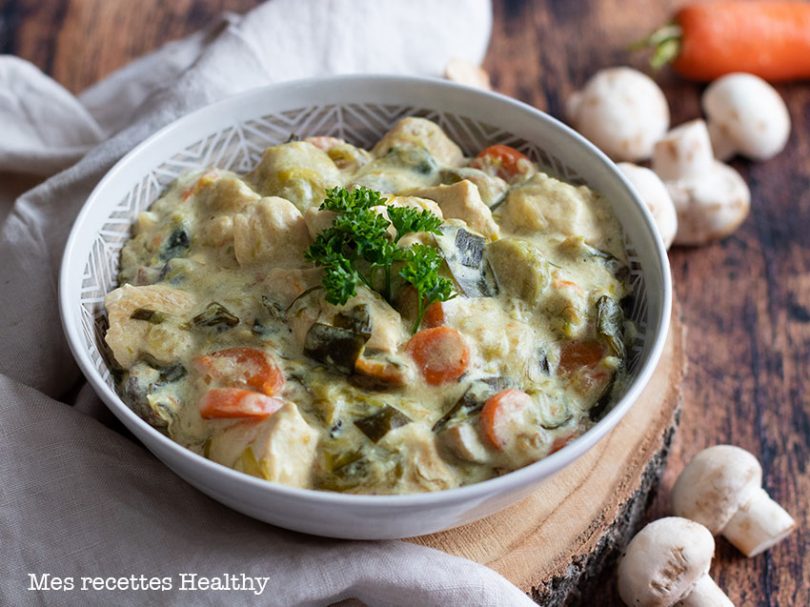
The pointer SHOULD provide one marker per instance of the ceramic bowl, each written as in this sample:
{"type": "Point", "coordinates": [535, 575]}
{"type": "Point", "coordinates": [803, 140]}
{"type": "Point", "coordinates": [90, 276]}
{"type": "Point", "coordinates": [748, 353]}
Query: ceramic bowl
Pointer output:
{"type": "Point", "coordinates": [231, 134]}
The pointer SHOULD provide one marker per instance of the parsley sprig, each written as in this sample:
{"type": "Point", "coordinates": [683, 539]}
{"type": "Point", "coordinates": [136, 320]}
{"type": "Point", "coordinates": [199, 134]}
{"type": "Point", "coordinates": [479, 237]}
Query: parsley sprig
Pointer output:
{"type": "Point", "coordinates": [358, 249]}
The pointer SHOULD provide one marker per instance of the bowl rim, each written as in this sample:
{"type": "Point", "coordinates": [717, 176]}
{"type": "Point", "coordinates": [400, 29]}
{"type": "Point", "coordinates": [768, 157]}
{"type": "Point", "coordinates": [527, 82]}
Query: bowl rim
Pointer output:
{"type": "Point", "coordinates": [521, 477]}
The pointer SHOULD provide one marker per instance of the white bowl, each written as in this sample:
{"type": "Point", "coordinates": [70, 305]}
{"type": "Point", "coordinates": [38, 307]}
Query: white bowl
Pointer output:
{"type": "Point", "coordinates": [232, 134]}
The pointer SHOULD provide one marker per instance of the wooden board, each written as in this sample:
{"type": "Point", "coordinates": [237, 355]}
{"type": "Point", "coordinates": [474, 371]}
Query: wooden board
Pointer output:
{"type": "Point", "coordinates": [557, 543]}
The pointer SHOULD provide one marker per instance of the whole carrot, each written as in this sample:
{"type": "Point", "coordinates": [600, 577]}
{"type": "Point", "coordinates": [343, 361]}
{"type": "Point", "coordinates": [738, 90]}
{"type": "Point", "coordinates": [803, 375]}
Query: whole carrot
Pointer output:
{"type": "Point", "coordinates": [706, 41]}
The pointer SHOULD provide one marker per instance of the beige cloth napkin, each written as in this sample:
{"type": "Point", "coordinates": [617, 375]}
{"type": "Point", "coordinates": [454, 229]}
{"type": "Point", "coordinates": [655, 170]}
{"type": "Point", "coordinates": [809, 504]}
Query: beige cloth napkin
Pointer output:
{"type": "Point", "coordinates": [78, 498]}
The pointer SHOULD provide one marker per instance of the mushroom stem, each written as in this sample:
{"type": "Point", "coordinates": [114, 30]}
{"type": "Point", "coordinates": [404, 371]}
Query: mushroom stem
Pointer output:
{"type": "Point", "coordinates": [722, 144]}
{"type": "Point", "coordinates": [684, 152]}
{"type": "Point", "coordinates": [706, 594]}
{"type": "Point", "coordinates": [758, 524]}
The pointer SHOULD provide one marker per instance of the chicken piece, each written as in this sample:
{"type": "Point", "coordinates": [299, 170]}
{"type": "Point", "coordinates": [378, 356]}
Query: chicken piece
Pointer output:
{"type": "Point", "coordinates": [223, 192]}
{"type": "Point", "coordinates": [387, 331]}
{"type": "Point", "coordinates": [272, 231]}
{"type": "Point", "coordinates": [286, 288]}
{"type": "Point", "coordinates": [491, 187]}
{"type": "Point", "coordinates": [317, 220]}
{"type": "Point", "coordinates": [423, 133]}
{"type": "Point", "coordinates": [159, 336]}
{"type": "Point", "coordinates": [345, 156]}
{"type": "Point", "coordinates": [423, 469]}
{"type": "Point", "coordinates": [217, 232]}
{"type": "Point", "coordinates": [227, 446]}
{"type": "Point", "coordinates": [414, 202]}
{"type": "Point", "coordinates": [546, 204]}
{"type": "Point", "coordinates": [462, 201]}
{"type": "Point", "coordinates": [297, 171]}
{"type": "Point", "coordinates": [464, 442]}
{"type": "Point", "coordinates": [284, 285]}
{"type": "Point", "coordinates": [284, 450]}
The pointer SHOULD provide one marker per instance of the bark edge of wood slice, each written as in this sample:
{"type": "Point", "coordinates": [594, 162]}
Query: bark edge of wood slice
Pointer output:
{"type": "Point", "coordinates": [562, 542]}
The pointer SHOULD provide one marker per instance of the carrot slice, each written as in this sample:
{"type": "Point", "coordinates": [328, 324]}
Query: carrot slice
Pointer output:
{"type": "Point", "coordinates": [575, 355]}
{"type": "Point", "coordinates": [242, 366]}
{"type": "Point", "coordinates": [384, 371]}
{"type": "Point", "coordinates": [561, 442]}
{"type": "Point", "coordinates": [580, 360]}
{"type": "Point", "coordinates": [507, 160]}
{"type": "Point", "coordinates": [440, 353]}
{"type": "Point", "coordinates": [434, 315]}
{"type": "Point", "coordinates": [498, 414]}
{"type": "Point", "coordinates": [227, 403]}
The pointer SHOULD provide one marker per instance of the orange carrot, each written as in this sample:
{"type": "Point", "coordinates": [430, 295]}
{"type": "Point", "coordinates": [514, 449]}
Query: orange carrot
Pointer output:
{"type": "Point", "coordinates": [386, 372]}
{"type": "Point", "coordinates": [706, 41]}
{"type": "Point", "coordinates": [580, 361]}
{"type": "Point", "coordinates": [434, 315]}
{"type": "Point", "coordinates": [499, 411]}
{"type": "Point", "coordinates": [227, 403]}
{"type": "Point", "coordinates": [577, 354]}
{"type": "Point", "coordinates": [507, 161]}
{"type": "Point", "coordinates": [440, 353]}
{"type": "Point", "coordinates": [561, 442]}
{"type": "Point", "coordinates": [242, 366]}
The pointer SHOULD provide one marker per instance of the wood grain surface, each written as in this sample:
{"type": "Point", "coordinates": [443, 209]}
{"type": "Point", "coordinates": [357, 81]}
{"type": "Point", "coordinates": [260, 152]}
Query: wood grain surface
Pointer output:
{"type": "Point", "coordinates": [746, 300]}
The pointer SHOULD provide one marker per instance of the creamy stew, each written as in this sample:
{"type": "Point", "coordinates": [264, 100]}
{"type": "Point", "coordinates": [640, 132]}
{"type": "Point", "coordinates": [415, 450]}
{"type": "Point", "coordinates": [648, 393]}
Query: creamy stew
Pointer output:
{"type": "Point", "coordinates": [493, 336]}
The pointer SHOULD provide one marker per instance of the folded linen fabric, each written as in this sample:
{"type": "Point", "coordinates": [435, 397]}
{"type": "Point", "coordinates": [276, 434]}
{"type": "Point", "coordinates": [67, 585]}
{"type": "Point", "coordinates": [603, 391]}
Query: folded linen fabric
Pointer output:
{"type": "Point", "coordinates": [87, 516]}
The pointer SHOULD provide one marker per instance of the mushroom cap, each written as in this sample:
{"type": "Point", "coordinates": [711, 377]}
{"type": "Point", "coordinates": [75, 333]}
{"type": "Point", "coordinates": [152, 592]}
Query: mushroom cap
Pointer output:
{"type": "Point", "coordinates": [685, 151]}
{"type": "Point", "coordinates": [746, 115]}
{"type": "Point", "coordinates": [715, 484]}
{"type": "Point", "coordinates": [710, 206]}
{"type": "Point", "coordinates": [654, 193]}
{"type": "Point", "coordinates": [464, 72]}
{"type": "Point", "coordinates": [622, 111]}
{"type": "Point", "coordinates": [662, 563]}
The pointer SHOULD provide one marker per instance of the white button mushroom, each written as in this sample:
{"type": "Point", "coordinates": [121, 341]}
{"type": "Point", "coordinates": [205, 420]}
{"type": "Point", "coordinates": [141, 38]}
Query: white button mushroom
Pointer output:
{"type": "Point", "coordinates": [746, 116]}
{"type": "Point", "coordinates": [711, 199]}
{"type": "Point", "coordinates": [464, 72]}
{"type": "Point", "coordinates": [622, 111]}
{"type": "Point", "coordinates": [668, 561]}
{"type": "Point", "coordinates": [721, 488]}
{"type": "Point", "coordinates": [655, 196]}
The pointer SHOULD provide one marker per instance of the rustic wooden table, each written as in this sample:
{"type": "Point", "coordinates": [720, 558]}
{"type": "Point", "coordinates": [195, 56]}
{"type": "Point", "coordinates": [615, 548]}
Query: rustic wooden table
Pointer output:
{"type": "Point", "coordinates": [746, 301]}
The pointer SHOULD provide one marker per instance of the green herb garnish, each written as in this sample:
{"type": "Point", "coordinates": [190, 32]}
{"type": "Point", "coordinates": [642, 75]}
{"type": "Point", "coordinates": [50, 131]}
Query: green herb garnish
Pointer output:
{"type": "Point", "coordinates": [358, 249]}
{"type": "Point", "coordinates": [422, 271]}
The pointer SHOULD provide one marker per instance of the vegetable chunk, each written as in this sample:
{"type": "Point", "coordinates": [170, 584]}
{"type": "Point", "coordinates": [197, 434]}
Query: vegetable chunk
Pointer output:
{"type": "Point", "coordinates": [501, 413]}
{"type": "Point", "coordinates": [547, 204]}
{"type": "Point", "coordinates": [463, 201]}
{"type": "Point", "coordinates": [130, 338]}
{"type": "Point", "coordinates": [271, 231]}
{"type": "Point", "coordinates": [226, 403]}
{"type": "Point", "coordinates": [520, 268]}
{"type": "Point", "coordinates": [297, 171]}
{"type": "Point", "coordinates": [242, 366]}
{"type": "Point", "coordinates": [422, 133]}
